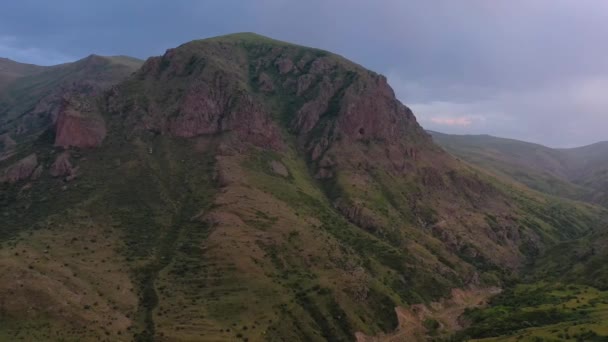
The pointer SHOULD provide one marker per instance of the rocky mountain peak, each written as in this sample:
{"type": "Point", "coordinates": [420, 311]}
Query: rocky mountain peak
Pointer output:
{"type": "Point", "coordinates": [255, 87]}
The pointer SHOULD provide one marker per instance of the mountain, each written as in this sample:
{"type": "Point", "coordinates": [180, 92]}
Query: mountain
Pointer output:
{"type": "Point", "coordinates": [31, 102]}
{"type": "Point", "coordinates": [11, 71]}
{"type": "Point", "coordinates": [589, 168]}
{"type": "Point", "coordinates": [245, 188]}
{"type": "Point", "coordinates": [577, 173]}
{"type": "Point", "coordinates": [561, 295]}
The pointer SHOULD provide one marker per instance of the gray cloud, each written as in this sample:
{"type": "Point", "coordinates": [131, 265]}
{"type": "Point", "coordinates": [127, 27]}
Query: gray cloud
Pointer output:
{"type": "Point", "coordinates": [532, 70]}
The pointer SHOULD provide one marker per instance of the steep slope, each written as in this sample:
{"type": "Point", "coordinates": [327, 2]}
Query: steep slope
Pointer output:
{"type": "Point", "coordinates": [576, 173]}
{"type": "Point", "coordinates": [246, 188]}
{"type": "Point", "coordinates": [581, 261]}
{"type": "Point", "coordinates": [589, 168]}
{"type": "Point", "coordinates": [564, 290]}
{"type": "Point", "coordinates": [31, 103]}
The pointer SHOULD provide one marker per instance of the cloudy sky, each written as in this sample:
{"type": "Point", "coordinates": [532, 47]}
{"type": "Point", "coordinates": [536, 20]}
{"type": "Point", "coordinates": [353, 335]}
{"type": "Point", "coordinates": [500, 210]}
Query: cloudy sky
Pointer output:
{"type": "Point", "coordinates": [535, 70]}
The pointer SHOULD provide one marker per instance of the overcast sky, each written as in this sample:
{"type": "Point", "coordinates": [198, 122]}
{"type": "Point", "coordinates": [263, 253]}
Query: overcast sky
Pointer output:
{"type": "Point", "coordinates": [535, 70]}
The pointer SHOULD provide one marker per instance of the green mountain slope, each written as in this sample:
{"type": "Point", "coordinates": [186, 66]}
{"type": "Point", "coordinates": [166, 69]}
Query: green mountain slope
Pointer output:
{"type": "Point", "coordinates": [577, 173]}
{"type": "Point", "coordinates": [590, 169]}
{"type": "Point", "coordinates": [564, 295]}
{"type": "Point", "coordinates": [242, 188]}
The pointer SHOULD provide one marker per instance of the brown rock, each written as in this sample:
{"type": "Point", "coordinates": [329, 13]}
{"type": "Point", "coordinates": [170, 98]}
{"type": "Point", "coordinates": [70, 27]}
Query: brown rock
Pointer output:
{"type": "Point", "coordinates": [369, 111]}
{"type": "Point", "coordinates": [200, 112]}
{"type": "Point", "coordinates": [265, 83]}
{"type": "Point", "coordinates": [304, 61]}
{"type": "Point", "coordinates": [278, 168]}
{"type": "Point", "coordinates": [253, 124]}
{"type": "Point", "coordinates": [321, 66]}
{"type": "Point", "coordinates": [357, 214]}
{"type": "Point", "coordinates": [304, 83]}
{"type": "Point", "coordinates": [62, 166]}
{"type": "Point", "coordinates": [206, 111]}
{"type": "Point", "coordinates": [21, 170]}
{"type": "Point", "coordinates": [76, 128]}
{"type": "Point", "coordinates": [308, 115]}
{"type": "Point", "coordinates": [285, 65]}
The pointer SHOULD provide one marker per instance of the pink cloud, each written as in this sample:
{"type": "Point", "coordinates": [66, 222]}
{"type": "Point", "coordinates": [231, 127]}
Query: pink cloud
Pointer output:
{"type": "Point", "coordinates": [459, 121]}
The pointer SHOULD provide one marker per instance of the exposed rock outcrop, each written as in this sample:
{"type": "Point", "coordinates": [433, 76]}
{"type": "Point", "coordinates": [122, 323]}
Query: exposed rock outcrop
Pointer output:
{"type": "Point", "coordinates": [214, 102]}
{"type": "Point", "coordinates": [78, 126]}
{"type": "Point", "coordinates": [357, 214]}
{"type": "Point", "coordinates": [285, 65]}
{"type": "Point", "coordinates": [309, 114]}
{"type": "Point", "coordinates": [202, 114]}
{"type": "Point", "coordinates": [42, 96]}
{"type": "Point", "coordinates": [279, 168]}
{"type": "Point", "coordinates": [21, 170]}
{"type": "Point", "coordinates": [62, 166]}
{"type": "Point", "coordinates": [265, 83]}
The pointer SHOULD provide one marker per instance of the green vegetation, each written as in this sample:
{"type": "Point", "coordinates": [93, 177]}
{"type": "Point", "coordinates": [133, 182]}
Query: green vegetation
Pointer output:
{"type": "Point", "coordinates": [541, 312]}
{"type": "Point", "coordinates": [259, 229]}
{"type": "Point", "coordinates": [576, 173]}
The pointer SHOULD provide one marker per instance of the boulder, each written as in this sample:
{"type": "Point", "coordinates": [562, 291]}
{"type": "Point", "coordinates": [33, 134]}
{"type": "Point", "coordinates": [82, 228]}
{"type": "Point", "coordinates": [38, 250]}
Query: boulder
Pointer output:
{"type": "Point", "coordinates": [278, 168]}
{"type": "Point", "coordinates": [21, 170]}
{"type": "Point", "coordinates": [62, 166]}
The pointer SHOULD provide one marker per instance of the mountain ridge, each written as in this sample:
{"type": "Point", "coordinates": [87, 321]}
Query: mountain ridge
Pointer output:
{"type": "Point", "coordinates": [11, 70]}
{"type": "Point", "coordinates": [576, 173]}
{"type": "Point", "coordinates": [31, 103]}
{"type": "Point", "coordinates": [482, 135]}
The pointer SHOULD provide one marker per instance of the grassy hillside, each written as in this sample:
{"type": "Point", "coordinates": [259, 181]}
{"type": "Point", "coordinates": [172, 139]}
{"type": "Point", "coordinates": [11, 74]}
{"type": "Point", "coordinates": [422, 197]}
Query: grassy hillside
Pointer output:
{"type": "Point", "coordinates": [541, 312]}
{"type": "Point", "coordinates": [576, 173]}
{"type": "Point", "coordinates": [249, 189]}
{"type": "Point", "coordinates": [591, 169]}
{"type": "Point", "coordinates": [11, 71]}
{"type": "Point", "coordinates": [580, 261]}
{"type": "Point", "coordinates": [543, 308]}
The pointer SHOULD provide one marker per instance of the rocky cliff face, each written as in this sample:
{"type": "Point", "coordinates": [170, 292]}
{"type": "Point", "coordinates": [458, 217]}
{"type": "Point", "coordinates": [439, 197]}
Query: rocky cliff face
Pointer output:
{"type": "Point", "coordinates": [189, 93]}
{"type": "Point", "coordinates": [78, 126]}
{"type": "Point", "coordinates": [202, 101]}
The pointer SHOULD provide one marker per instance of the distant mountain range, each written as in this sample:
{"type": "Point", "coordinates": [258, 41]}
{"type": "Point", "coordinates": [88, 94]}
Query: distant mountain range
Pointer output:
{"type": "Point", "coordinates": [579, 173]}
